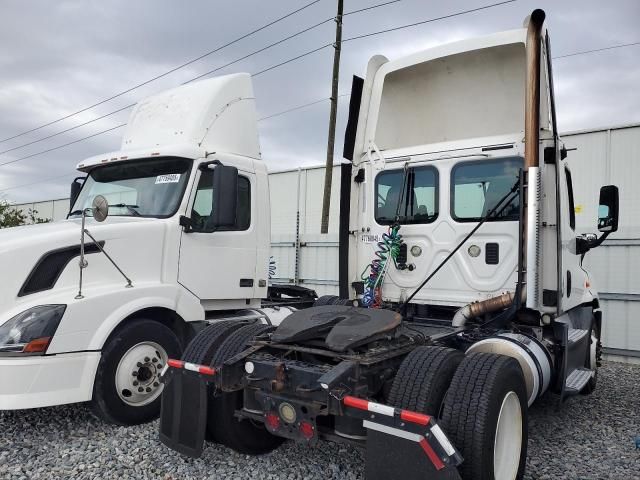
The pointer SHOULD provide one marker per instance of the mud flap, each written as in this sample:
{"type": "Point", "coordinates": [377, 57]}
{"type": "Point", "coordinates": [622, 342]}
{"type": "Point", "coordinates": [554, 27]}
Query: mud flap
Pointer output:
{"type": "Point", "coordinates": [403, 444]}
{"type": "Point", "coordinates": [389, 456]}
{"type": "Point", "coordinates": [183, 415]}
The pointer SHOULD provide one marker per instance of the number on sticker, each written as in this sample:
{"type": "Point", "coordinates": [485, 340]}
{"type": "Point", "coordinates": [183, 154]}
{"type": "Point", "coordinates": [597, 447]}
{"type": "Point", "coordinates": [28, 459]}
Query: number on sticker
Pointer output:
{"type": "Point", "coordinates": [170, 178]}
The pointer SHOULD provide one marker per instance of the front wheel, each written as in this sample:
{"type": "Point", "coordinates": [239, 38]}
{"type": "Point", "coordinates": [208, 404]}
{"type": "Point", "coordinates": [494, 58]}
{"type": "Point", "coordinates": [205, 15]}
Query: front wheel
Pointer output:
{"type": "Point", "coordinates": [127, 387]}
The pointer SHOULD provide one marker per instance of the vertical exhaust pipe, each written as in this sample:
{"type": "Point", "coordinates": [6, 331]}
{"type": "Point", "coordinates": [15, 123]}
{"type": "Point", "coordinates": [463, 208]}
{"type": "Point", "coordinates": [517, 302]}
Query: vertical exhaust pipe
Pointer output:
{"type": "Point", "coordinates": [532, 94]}
{"type": "Point", "coordinates": [530, 226]}
{"type": "Point", "coordinates": [531, 164]}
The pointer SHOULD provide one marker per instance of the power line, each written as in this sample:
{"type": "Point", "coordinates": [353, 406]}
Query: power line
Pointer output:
{"type": "Point", "coordinates": [409, 25]}
{"type": "Point", "coordinates": [255, 52]}
{"type": "Point", "coordinates": [596, 50]}
{"type": "Point", "coordinates": [63, 145]}
{"type": "Point", "coordinates": [68, 174]}
{"type": "Point", "coordinates": [297, 57]}
{"type": "Point", "coordinates": [185, 64]}
{"type": "Point", "coordinates": [277, 114]}
{"type": "Point", "coordinates": [67, 129]}
{"type": "Point", "coordinates": [293, 109]}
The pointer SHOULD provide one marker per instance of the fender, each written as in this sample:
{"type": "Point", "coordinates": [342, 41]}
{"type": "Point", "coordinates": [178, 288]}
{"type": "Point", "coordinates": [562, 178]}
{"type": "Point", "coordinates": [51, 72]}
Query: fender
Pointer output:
{"type": "Point", "coordinates": [88, 323]}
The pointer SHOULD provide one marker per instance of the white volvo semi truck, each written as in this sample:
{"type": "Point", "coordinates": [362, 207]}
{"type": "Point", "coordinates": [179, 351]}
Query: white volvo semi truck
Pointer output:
{"type": "Point", "coordinates": [463, 297]}
{"type": "Point", "coordinates": [91, 309]}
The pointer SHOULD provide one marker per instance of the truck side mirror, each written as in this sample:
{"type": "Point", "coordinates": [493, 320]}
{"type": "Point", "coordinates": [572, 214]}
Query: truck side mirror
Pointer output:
{"type": "Point", "coordinates": [225, 197]}
{"type": "Point", "coordinates": [608, 209]}
{"type": "Point", "coordinates": [76, 186]}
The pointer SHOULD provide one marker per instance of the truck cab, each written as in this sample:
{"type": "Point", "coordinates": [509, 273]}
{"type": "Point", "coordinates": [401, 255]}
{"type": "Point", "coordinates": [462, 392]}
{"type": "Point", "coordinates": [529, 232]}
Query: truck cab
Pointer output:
{"type": "Point", "coordinates": [102, 332]}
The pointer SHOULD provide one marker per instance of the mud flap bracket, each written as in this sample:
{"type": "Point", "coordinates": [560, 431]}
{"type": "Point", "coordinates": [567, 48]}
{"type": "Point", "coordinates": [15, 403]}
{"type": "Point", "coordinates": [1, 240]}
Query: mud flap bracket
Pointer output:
{"type": "Point", "coordinates": [403, 444]}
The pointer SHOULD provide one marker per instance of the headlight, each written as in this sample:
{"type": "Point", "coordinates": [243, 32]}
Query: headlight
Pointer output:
{"type": "Point", "coordinates": [31, 331]}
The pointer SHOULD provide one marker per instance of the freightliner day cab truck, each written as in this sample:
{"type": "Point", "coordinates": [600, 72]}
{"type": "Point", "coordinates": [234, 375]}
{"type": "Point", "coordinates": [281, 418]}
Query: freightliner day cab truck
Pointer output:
{"type": "Point", "coordinates": [102, 332]}
{"type": "Point", "coordinates": [462, 293]}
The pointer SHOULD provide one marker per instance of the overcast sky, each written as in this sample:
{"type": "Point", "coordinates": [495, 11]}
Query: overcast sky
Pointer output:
{"type": "Point", "coordinates": [59, 57]}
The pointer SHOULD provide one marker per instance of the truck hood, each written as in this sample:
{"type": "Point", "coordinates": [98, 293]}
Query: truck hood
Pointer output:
{"type": "Point", "coordinates": [136, 244]}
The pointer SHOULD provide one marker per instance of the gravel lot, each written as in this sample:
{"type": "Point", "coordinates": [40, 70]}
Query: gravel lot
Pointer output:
{"type": "Point", "coordinates": [589, 438]}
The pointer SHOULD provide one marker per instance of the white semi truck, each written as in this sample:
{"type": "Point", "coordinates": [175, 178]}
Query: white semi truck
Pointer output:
{"type": "Point", "coordinates": [78, 325]}
{"type": "Point", "coordinates": [462, 293]}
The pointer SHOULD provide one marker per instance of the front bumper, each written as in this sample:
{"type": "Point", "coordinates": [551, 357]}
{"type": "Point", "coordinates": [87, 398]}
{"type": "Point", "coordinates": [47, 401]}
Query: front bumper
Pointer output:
{"type": "Point", "coordinates": [43, 381]}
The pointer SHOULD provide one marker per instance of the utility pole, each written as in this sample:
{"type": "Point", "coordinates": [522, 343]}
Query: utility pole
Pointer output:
{"type": "Point", "coordinates": [328, 172]}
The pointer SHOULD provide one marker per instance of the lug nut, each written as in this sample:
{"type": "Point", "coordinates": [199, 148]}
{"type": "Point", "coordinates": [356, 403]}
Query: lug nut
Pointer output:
{"type": "Point", "coordinates": [148, 389]}
{"type": "Point", "coordinates": [140, 389]}
{"type": "Point", "coordinates": [147, 359]}
{"type": "Point", "coordinates": [135, 374]}
{"type": "Point", "coordinates": [154, 359]}
{"type": "Point", "coordinates": [135, 383]}
{"type": "Point", "coordinates": [159, 365]}
{"type": "Point", "coordinates": [155, 384]}
{"type": "Point", "coordinates": [139, 365]}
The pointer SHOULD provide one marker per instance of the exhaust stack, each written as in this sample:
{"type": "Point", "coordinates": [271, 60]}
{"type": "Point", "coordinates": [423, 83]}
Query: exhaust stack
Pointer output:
{"type": "Point", "coordinates": [532, 93]}
{"type": "Point", "coordinates": [531, 165]}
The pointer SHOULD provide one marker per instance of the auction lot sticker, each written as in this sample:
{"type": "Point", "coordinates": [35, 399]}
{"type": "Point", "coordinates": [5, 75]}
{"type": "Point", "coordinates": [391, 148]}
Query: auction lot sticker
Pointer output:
{"type": "Point", "coordinates": [170, 178]}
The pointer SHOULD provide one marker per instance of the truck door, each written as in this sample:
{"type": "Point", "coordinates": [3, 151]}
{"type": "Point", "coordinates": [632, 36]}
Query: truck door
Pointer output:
{"type": "Point", "coordinates": [219, 264]}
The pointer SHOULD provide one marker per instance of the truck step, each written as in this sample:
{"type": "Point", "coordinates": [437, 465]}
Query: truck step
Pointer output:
{"type": "Point", "coordinates": [577, 334]}
{"type": "Point", "coordinates": [577, 380]}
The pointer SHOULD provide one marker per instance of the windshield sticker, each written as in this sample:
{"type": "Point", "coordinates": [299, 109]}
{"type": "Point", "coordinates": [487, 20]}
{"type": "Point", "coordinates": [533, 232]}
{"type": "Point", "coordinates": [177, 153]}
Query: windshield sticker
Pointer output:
{"type": "Point", "coordinates": [171, 178]}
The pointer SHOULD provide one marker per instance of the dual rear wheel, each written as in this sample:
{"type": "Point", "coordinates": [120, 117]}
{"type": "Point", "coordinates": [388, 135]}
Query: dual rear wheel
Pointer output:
{"type": "Point", "coordinates": [213, 346]}
{"type": "Point", "coordinates": [479, 399]}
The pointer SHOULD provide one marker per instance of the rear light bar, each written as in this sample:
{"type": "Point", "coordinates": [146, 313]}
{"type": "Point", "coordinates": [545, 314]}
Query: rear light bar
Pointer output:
{"type": "Point", "coordinates": [181, 364]}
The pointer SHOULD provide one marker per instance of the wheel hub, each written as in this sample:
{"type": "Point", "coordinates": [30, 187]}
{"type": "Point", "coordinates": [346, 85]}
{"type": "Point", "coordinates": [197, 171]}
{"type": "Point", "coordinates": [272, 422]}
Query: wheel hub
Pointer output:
{"type": "Point", "coordinates": [138, 374]}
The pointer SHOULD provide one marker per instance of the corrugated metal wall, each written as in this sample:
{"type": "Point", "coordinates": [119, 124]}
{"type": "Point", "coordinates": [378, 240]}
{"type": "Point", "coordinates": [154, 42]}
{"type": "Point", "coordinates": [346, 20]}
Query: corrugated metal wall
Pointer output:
{"type": "Point", "coordinates": [602, 157]}
{"type": "Point", "coordinates": [303, 256]}
{"type": "Point", "coordinates": [605, 157]}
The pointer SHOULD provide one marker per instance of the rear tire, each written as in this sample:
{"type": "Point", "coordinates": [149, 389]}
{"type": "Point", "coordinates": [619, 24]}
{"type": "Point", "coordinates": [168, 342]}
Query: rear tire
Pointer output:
{"type": "Point", "coordinates": [485, 416]}
{"type": "Point", "coordinates": [132, 360]}
{"type": "Point", "coordinates": [202, 349]}
{"type": "Point", "coordinates": [423, 379]}
{"type": "Point", "coordinates": [243, 436]}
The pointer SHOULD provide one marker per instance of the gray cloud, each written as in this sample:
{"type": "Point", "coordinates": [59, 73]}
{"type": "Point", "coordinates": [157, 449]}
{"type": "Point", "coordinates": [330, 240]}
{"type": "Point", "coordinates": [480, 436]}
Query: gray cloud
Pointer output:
{"type": "Point", "coordinates": [61, 56]}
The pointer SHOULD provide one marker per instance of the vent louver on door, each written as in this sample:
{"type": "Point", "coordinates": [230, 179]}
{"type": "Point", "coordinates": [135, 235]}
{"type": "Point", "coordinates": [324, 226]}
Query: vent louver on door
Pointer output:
{"type": "Point", "coordinates": [48, 269]}
{"type": "Point", "coordinates": [492, 254]}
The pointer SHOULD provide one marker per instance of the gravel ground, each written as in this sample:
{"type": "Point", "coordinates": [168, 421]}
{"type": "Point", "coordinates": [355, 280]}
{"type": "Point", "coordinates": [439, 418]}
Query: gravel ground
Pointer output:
{"type": "Point", "coordinates": [589, 438]}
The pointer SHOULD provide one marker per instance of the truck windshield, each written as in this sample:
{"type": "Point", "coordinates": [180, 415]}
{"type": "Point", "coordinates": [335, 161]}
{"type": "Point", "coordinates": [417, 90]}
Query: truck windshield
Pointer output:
{"type": "Point", "coordinates": [142, 188]}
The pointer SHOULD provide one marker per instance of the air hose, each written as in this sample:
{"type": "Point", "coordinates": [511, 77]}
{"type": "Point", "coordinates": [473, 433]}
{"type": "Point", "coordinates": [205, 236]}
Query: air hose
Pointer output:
{"type": "Point", "coordinates": [387, 249]}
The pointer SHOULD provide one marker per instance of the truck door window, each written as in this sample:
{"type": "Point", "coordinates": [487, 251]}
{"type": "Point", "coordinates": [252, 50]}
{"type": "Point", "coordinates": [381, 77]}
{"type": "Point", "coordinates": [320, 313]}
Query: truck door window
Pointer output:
{"type": "Point", "coordinates": [476, 188]}
{"type": "Point", "coordinates": [572, 207]}
{"type": "Point", "coordinates": [419, 202]}
{"type": "Point", "coordinates": [202, 207]}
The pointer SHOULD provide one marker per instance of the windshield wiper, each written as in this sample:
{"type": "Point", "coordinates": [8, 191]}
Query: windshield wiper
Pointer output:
{"type": "Point", "coordinates": [128, 207]}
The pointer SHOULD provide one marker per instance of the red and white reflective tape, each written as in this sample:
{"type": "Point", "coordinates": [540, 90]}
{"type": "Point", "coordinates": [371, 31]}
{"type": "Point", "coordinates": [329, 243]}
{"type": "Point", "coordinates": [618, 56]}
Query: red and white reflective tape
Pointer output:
{"type": "Point", "coordinates": [373, 407]}
{"type": "Point", "coordinates": [189, 366]}
{"type": "Point", "coordinates": [413, 437]}
{"type": "Point", "coordinates": [409, 417]}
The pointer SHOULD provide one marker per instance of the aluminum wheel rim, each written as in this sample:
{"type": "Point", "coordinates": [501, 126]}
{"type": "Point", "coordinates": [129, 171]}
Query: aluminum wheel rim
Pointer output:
{"type": "Point", "coordinates": [508, 441]}
{"type": "Point", "coordinates": [138, 374]}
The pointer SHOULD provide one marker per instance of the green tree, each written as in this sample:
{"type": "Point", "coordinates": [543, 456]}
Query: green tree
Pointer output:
{"type": "Point", "coordinates": [12, 217]}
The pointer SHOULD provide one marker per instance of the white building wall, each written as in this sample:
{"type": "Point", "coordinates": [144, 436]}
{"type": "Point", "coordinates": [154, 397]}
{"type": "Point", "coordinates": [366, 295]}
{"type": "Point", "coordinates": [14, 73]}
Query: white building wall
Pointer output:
{"type": "Point", "coordinates": [609, 156]}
